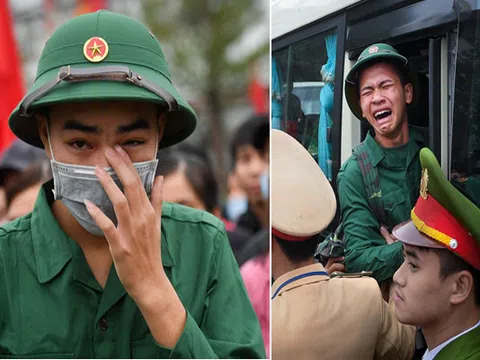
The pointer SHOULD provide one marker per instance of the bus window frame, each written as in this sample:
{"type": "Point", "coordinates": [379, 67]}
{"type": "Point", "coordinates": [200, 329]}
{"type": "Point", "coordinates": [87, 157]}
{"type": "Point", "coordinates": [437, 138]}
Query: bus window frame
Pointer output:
{"type": "Point", "coordinates": [393, 24]}
{"type": "Point", "coordinates": [325, 25]}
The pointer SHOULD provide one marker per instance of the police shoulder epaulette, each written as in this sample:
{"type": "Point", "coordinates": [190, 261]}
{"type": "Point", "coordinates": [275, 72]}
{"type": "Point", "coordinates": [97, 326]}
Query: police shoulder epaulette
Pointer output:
{"type": "Point", "coordinates": [338, 274]}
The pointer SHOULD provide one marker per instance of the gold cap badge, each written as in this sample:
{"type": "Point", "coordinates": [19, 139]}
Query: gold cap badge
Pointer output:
{"type": "Point", "coordinates": [95, 49]}
{"type": "Point", "coordinates": [424, 184]}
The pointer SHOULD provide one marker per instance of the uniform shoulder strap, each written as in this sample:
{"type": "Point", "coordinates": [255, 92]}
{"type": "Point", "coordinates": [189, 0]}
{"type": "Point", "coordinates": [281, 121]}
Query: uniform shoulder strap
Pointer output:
{"type": "Point", "coordinates": [337, 274]}
{"type": "Point", "coordinates": [371, 182]}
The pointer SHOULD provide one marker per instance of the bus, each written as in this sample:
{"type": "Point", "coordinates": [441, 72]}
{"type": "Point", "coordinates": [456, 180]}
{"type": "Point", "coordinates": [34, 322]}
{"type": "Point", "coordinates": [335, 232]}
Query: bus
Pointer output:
{"type": "Point", "coordinates": [315, 44]}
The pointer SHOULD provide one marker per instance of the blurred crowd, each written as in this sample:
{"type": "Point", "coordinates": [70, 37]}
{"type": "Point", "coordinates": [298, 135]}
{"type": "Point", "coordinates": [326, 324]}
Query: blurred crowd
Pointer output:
{"type": "Point", "coordinates": [23, 170]}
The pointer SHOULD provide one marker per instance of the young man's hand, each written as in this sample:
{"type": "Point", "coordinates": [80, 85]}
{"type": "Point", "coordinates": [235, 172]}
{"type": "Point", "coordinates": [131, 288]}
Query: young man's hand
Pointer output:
{"type": "Point", "coordinates": [135, 245]}
{"type": "Point", "coordinates": [335, 264]}
{"type": "Point", "coordinates": [389, 238]}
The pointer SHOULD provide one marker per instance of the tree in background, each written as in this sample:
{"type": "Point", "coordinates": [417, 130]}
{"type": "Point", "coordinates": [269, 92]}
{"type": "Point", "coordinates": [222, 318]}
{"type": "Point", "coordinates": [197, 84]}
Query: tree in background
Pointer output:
{"type": "Point", "coordinates": [196, 36]}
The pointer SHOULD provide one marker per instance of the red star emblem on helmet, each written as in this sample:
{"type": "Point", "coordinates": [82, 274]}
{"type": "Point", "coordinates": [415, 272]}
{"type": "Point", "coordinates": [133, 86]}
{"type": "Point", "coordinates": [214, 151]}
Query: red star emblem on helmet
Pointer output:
{"type": "Point", "coordinates": [95, 49]}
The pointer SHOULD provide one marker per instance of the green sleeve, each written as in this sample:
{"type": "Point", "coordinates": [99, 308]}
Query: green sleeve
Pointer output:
{"type": "Point", "coordinates": [229, 327]}
{"type": "Point", "coordinates": [365, 246]}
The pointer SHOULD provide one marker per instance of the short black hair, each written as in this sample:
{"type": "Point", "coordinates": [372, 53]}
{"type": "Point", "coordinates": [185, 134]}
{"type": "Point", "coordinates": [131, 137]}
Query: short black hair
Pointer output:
{"type": "Point", "coordinates": [451, 263]}
{"type": "Point", "coordinates": [197, 170]}
{"type": "Point", "coordinates": [255, 132]}
{"type": "Point", "coordinates": [297, 251]}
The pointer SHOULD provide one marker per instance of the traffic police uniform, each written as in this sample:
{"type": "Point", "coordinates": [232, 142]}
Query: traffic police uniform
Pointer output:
{"type": "Point", "coordinates": [315, 316]}
{"type": "Point", "coordinates": [444, 218]}
{"type": "Point", "coordinates": [50, 303]}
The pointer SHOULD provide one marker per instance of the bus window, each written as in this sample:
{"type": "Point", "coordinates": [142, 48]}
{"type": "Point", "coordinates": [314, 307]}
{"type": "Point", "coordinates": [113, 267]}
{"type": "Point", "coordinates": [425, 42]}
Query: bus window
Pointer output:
{"type": "Point", "coordinates": [465, 125]}
{"type": "Point", "coordinates": [303, 94]}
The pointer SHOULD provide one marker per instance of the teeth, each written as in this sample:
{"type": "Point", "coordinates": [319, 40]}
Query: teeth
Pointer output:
{"type": "Point", "coordinates": [381, 112]}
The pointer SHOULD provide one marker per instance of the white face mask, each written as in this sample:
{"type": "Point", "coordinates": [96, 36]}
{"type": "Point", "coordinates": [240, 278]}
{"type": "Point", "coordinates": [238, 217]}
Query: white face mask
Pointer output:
{"type": "Point", "coordinates": [235, 207]}
{"type": "Point", "coordinates": [75, 183]}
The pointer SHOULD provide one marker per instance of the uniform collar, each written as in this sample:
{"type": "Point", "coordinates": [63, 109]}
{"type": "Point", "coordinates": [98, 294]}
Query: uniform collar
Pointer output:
{"type": "Point", "coordinates": [377, 153]}
{"type": "Point", "coordinates": [463, 345]}
{"type": "Point", "coordinates": [52, 247]}
{"type": "Point", "coordinates": [298, 277]}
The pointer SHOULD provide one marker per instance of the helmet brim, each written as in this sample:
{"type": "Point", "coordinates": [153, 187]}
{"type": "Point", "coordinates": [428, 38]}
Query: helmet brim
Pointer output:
{"type": "Point", "coordinates": [179, 124]}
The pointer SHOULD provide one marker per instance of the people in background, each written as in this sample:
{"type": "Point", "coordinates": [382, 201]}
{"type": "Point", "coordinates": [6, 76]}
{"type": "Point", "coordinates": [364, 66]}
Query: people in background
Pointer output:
{"type": "Point", "coordinates": [14, 160]}
{"type": "Point", "coordinates": [250, 159]}
{"type": "Point", "coordinates": [22, 194]}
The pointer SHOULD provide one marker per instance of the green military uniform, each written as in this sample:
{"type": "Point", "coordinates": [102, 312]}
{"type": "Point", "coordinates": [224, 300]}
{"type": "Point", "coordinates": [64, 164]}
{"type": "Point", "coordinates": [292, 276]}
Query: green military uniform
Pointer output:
{"type": "Point", "coordinates": [399, 172]}
{"type": "Point", "coordinates": [50, 302]}
{"type": "Point", "coordinates": [466, 347]}
{"type": "Point", "coordinates": [52, 306]}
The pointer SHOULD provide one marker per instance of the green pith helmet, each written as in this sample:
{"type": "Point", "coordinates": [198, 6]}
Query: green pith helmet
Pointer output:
{"type": "Point", "coordinates": [372, 53]}
{"type": "Point", "coordinates": [103, 56]}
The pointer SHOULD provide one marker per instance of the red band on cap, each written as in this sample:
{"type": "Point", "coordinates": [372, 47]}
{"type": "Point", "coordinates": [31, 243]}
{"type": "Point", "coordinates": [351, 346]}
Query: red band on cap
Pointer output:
{"type": "Point", "coordinates": [287, 237]}
{"type": "Point", "coordinates": [433, 220]}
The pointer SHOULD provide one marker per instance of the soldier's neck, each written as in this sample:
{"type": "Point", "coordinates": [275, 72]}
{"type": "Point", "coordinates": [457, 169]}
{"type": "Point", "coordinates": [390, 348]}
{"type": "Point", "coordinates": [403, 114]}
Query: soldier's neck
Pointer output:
{"type": "Point", "coordinates": [452, 325]}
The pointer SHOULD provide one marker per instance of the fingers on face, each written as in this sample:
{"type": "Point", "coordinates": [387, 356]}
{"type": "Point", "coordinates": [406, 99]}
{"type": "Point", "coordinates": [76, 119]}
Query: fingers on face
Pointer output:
{"type": "Point", "coordinates": [129, 177]}
{"type": "Point", "coordinates": [103, 222]}
{"type": "Point", "coordinates": [118, 199]}
{"type": "Point", "coordinates": [157, 195]}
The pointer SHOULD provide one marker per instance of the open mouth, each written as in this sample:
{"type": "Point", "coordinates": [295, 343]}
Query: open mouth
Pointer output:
{"type": "Point", "coordinates": [379, 115]}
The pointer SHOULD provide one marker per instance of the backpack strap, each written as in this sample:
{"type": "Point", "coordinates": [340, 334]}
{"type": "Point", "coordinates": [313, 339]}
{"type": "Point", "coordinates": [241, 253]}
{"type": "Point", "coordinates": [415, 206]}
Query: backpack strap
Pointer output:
{"type": "Point", "coordinates": [371, 182]}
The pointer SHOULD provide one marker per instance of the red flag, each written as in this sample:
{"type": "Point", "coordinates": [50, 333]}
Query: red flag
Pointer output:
{"type": "Point", "coordinates": [11, 81]}
{"type": "Point", "coordinates": [258, 94]}
{"type": "Point", "coordinates": [86, 6]}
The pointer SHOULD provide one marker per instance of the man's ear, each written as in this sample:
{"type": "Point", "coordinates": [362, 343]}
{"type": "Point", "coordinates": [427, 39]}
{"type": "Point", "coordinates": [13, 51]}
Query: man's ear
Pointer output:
{"type": "Point", "coordinates": [408, 90]}
{"type": "Point", "coordinates": [462, 287]}
{"type": "Point", "coordinates": [42, 131]}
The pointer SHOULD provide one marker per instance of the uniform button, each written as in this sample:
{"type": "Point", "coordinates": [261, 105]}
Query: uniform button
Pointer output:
{"type": "Point", "coordinates": [453, 243]}
{"type": "Point", "coordinates": [103, 324]}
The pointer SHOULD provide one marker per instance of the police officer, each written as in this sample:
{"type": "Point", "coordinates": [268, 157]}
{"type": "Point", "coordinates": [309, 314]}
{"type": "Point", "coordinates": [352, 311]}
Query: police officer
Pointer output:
{"type": "Point", "coordinates": [101, 267]}
{"type": "Point", "coordinates": [438, 284]}
{"type": "Point", "coordinates": [315, 316]}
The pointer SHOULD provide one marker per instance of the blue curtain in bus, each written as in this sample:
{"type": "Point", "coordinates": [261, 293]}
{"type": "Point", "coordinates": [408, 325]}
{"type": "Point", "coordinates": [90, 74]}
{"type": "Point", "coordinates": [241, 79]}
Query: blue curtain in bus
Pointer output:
{"type": "Point", "coordinates": [277, 108]}
{"type": "Point", "coordinates": [326, 106]}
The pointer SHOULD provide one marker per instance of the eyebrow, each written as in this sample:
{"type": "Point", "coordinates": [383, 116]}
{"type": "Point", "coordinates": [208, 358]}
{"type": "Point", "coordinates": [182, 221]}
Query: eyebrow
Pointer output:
{"type": "Point", "coordinates": [138, 124]}
{"type": "Point", "coordinates": [78, 126]}
{"type": "Point", "coordinates": [367, 87]}
{"type": "Point", "coordinates": [410, 253]}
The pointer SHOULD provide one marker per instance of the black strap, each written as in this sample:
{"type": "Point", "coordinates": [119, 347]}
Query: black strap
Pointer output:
{"type": "Point", "coordinates": [104, 73]}
{"type": "Point", "coordinates": [371, 182]}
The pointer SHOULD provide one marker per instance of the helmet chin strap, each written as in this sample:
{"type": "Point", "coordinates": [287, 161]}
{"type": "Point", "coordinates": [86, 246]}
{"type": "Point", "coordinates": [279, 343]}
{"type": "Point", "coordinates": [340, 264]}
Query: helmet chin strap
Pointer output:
{"type": "Point", "coordinates": [156, 139]}
{"type": "Point", "coordinates": [49, 142]}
